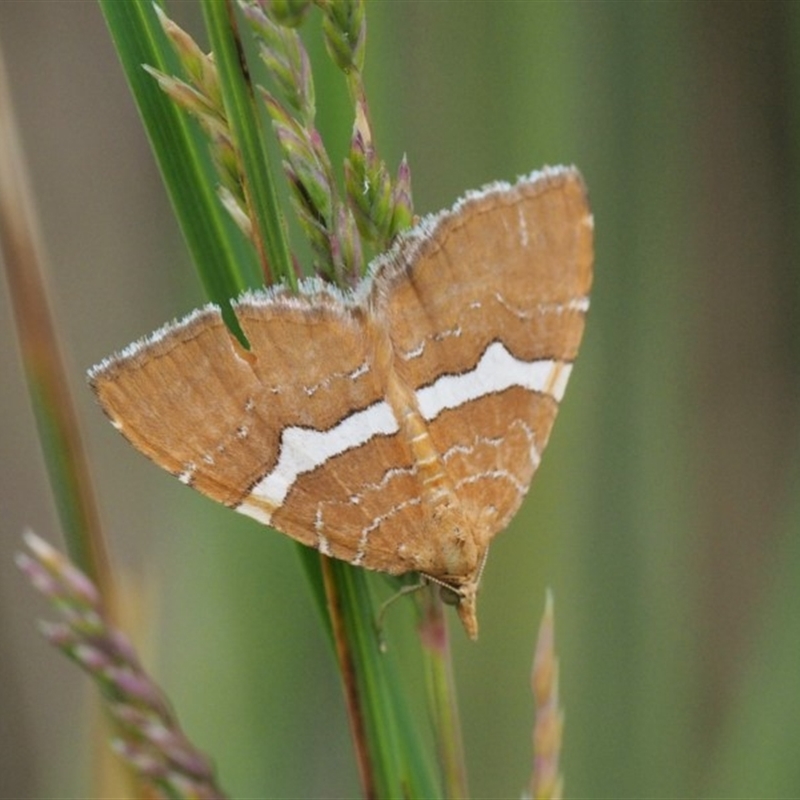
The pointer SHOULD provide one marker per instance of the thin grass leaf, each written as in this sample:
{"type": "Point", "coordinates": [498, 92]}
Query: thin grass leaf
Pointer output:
{"type": "Point", "coordinates": [440, 682]}
{"type": "Point", "coordinates": [56, 418]}
{"type": "Point", "coordinates": [399, 767]}
{"type": "Point", "coordinates": [239, 99]}
{"type": "Point", "coordinates": [221, 256]}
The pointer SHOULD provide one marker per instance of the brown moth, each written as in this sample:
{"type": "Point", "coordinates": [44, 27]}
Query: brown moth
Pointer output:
{"type": "Point", "coordinates": [397, 426]}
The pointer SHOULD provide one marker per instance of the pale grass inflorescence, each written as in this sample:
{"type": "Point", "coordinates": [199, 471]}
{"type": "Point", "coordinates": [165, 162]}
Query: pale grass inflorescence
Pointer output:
{"type": "Point", "coordinates": [547, 783]}
{"type": "Point", "coordinates": [375, 208]}
{"type": "Point", "coordinates": [148, 736]}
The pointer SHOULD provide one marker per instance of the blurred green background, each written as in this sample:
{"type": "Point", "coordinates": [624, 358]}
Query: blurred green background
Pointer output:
{"type": "Point", "coordinates": [667, 511]}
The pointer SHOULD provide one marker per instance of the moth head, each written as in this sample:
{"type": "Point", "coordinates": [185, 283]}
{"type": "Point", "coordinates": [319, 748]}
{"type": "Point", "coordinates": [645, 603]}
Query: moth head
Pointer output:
{"type": "Point", "coordinates": [464, 596]}
{"type": "Point", "coordinates": [467, 608]}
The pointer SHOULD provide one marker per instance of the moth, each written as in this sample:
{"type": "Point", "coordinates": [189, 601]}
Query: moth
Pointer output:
{"type": "Point", "coordinates": [396, 426]}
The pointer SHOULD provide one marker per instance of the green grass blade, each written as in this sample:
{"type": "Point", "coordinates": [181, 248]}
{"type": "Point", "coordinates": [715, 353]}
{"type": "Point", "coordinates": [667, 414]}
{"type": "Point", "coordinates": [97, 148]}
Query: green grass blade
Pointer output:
{"type": "Point", "coordinates": [442, 698]}
{"type": "Point", "coordinates": [40, 352]}
{"type": "Point", "coordinates": [399, 763]}
{"type": "Point", "coordinates": [223, 259]}
{"type": "Point", "coordinates": [240, 104]}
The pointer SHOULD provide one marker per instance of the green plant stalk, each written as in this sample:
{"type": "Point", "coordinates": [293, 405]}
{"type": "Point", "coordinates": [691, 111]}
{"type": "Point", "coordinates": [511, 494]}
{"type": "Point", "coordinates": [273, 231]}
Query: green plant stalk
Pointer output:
{"type": "Point", "coordinates": [398, 764]}
{"type": "Point", "coordinates": [240, 104]}
{"type": "Point", "coordinates": [223, 259]}
{"type": "Point", "coordinates": [442, 699]}
{"type": "Point", "coordinates": [352, 692]}
{"type": "Point", "coordinates": [56, 419]}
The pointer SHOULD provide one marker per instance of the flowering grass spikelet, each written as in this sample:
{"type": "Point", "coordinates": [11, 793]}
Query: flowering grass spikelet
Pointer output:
{"type": "Point", "coordinates": [149, 738]}
{"type": "Point", "coordinates": [546, 779]}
